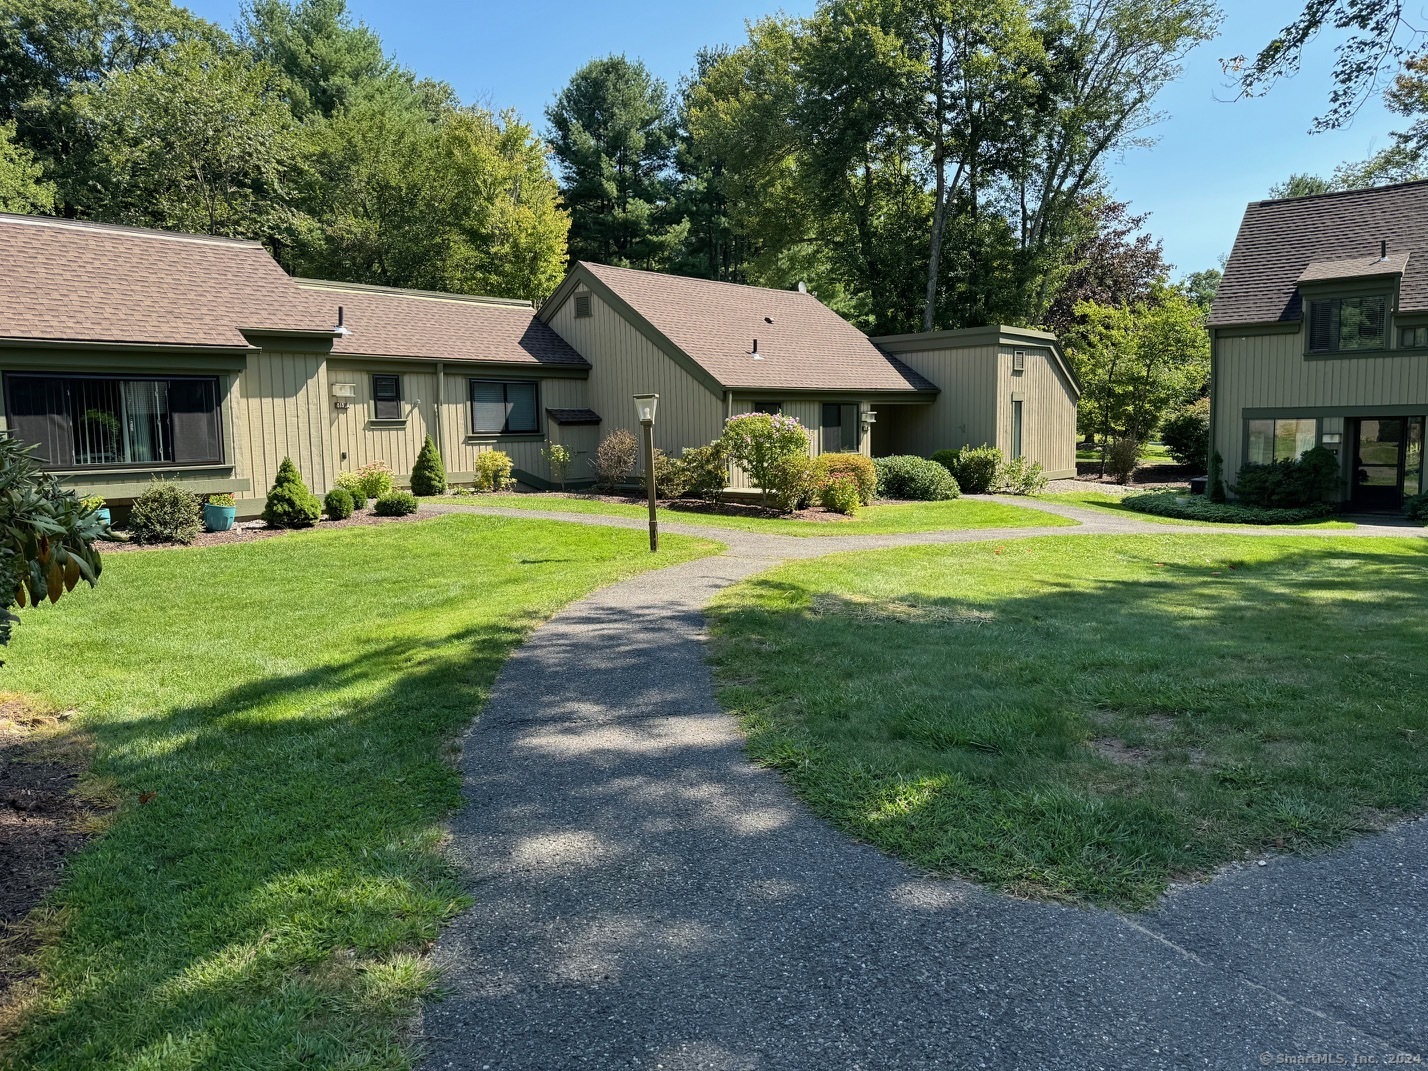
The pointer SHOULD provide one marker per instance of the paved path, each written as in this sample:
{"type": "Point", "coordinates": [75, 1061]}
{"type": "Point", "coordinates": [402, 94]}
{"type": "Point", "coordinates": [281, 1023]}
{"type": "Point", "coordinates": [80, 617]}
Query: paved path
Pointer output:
{"type": "Point", "coordinates": [646, 898]}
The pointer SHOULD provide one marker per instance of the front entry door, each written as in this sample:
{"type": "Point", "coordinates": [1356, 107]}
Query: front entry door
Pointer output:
{"type": "Point", "coordinates": [1388, 454]}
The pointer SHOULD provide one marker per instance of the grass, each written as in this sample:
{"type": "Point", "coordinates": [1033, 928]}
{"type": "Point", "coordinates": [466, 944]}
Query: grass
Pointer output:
{"type": "Point", "coordinates": [1150, 454]}
{"type": "Point", "coordinates": [1087, 720]}
{"type": "Point", "coordinates": [871, 520]}
{"type": "Point", "coordinates": [1112, 503]}
{"type": "Point", "coordinates": [279, 721]}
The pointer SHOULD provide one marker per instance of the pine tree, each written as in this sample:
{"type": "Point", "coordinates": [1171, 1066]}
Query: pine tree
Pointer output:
{"type": "Point", "coordinates": [290, 504]}
{"type": "Point", "coordinates": [429, 474]}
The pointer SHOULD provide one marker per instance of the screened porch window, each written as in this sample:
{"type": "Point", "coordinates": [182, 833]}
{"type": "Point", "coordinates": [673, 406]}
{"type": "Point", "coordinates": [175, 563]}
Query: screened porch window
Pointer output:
{"type": "Point", "coordinates": [499, 408]}
{"type": "Point", "coordinates": [95, 422]}
{"type": "Point", "coordinates": [1342, 325]}
{"type": "Point", "coordinates": [1281, 440]}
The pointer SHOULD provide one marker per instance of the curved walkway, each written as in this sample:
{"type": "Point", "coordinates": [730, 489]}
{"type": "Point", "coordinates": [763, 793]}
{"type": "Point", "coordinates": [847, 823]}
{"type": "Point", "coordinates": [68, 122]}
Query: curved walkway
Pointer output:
{"type": "Point", "coordinates": [646, 898]}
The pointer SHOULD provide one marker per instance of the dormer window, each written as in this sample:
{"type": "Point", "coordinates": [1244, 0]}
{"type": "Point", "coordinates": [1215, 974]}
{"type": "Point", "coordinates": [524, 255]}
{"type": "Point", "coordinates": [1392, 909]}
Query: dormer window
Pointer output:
{"type": "Point", "coordinates": [1345, 325]}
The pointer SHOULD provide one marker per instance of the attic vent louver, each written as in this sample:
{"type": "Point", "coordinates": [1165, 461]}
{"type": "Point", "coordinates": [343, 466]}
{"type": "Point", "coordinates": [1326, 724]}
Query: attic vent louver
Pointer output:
{"type": "Point", "coordinates": [582, 306]}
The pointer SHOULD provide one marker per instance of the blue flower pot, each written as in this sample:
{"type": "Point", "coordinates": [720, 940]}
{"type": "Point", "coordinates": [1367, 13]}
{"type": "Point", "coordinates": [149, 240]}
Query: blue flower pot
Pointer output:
{"type": "Point", "coordinates": [103, 514]}
{"type": "Point", "coordinates": [219, 518]}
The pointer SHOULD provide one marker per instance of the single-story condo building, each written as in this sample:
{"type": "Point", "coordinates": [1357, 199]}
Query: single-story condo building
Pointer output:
{"type": "Point", "coordinates": [1320, 338]}
{"type": "Point", "coordinates": [127, 353]}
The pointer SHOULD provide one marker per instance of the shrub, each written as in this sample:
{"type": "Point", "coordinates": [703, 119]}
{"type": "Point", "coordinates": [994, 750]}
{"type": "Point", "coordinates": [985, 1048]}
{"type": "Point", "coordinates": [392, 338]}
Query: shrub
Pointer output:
{"type": "Point", "coordinates": [1215, 483]}
{"type": "Point", "coordinates": [223, 498]}
{"type": "Point", "coordinates": [1186, 434]}
{"type": "Point", "coordinates": [840, 493]}
{"type": "Point", "coordinates": [377, 479]}
{"type": "Point", "coordinates": [559, 458]}
{"type": "Point", "coordinates": [977, 469]}
{"type": "Point", "coordinates": [907, 476]}
{"type": "Point", "coordinates": [1415, 508]}
{"type": "Point", "coordinates": [947, 459]}
{"type": "Point", "coordinates": [90, 503]}
{"type": "Point", "coordinates": [47, 537]}
{"type": "Point", "coordinates": [614, 459]}
{"type": "Point", "coordinates": [1022, 477]}
{"type": "Point", "coordinates": [1291, 483]}
{"type": "Point", "coordinates": [493, 471]}
{"type": "Point", "coordinates": [428, 474]}
{"type": "Point", "coordinates": [1122, 458]}
{"type": "Point", "coordinates": [669, 475]}
{"type": "Point", "coordinates": [165, 513]}
{"type": "Point", "coordinates": [706, 471]}
{"type": "Point", "coordinates": [396, 504]}
{"type": "Point", "coordinates": [791, 482]}
{"type": "Point", "coordinates": [290, 504]}
{"type": "Point", "coordinates": [756, 442]}
{"type": "Point", "coordinates": [338, 504]}
{"type": "Point", "coordinates": [864, 474]}
{"type": "Point", "coordinates": [1201, 508]}
{"type": "Point", "coordinates": [354, 485]}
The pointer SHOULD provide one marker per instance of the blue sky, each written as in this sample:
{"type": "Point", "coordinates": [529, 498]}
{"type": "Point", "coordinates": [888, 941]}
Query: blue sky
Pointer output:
{"type": "Point", "coordinates": [1213, 155]}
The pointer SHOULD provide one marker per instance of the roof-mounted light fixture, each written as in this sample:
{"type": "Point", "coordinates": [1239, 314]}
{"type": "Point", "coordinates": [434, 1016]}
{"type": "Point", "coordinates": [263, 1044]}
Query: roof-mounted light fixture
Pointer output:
{"type": "Point", "coordinates": [754, 353]}
{"type": "Point", "coordinates": [341, 331]}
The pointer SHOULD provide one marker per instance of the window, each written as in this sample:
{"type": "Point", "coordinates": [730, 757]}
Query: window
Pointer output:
{"type": "Point", "coordinates": [1016, 429]}
{"type": "Point", "coordinates": [1413, 338]}
{"type": "Point", "coordinates": [387, 397]}
{"type": "Point", "coordinates": [839, 430]}
{"type": "Point", "coordinates": [1340, 325]}
{"type": "Point", "coordinates": [768, 407]}
{"type": "Point", "coordinates": [1281, 440]}
{"type": "Point", "coordinates": [582, 306]}
{"type": "Point", "coordinates": [504, 408]}
{"type": "Point", "coordinates": [94, 421]}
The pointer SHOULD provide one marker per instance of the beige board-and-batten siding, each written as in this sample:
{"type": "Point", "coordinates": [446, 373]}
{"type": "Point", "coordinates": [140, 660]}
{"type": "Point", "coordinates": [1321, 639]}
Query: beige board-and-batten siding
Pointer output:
{"type": "Point", "coordinates": [975, 369]}
{"type": "Point", "coordinates": [807, 410]}
{"type": "Point", "coordinates": [624, 362]}
{"type": "Point", "coordinates": [1268, 370]}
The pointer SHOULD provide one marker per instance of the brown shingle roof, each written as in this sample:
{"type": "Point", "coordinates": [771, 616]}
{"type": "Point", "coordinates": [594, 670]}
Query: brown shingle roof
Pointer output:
{"type": "Point", "coordinates": [1278, 240]}
{"type": "Point", "coordinates": [1323, 271]}
{"type": "Point", "coordinates": [804, 344]}
{"type": "Point", "coordinates": [418, 323]}
{"type": "Point", "coordinates": [89, 282]}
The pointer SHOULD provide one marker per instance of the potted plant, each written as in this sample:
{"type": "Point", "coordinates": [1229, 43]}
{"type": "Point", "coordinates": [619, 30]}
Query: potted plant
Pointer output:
{"type": "Point", "coordinates": [95, 505]}
{"type": "Point", "coordinates": [219, 512]}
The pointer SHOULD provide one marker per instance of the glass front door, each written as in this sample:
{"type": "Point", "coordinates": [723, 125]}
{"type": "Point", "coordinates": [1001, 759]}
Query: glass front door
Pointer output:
{"type": "Point", "coordinates": [1388, 461]}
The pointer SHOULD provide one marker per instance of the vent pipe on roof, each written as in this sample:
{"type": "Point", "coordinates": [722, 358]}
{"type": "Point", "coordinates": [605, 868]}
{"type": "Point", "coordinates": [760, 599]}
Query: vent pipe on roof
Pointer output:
{"type": "Point", "coordinates": [754, 353]}
{"type": "Point", "coordinates": [1383, 249]}
{"type": "Point", "coordinates": [340, 330]}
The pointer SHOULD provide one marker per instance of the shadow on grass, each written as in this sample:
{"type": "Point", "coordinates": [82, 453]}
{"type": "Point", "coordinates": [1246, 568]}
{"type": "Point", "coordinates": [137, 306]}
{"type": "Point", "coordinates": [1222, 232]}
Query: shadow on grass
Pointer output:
{"type": "Point", "coordinates": [1089, 733]}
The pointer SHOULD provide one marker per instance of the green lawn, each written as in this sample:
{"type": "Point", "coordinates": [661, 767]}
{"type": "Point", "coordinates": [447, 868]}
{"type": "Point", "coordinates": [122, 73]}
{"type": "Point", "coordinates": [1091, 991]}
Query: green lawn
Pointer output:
{"type": "Point", "coordinates": [1089, 719]}
{"type": "Point", "coordinates": [292, 706]}
{"type": "Point", "coordinates": [1151, 454]}
{"type": "Point", "coordinates": [872, 520]}
{"type": "Point", "coordinates": [1104, 502]}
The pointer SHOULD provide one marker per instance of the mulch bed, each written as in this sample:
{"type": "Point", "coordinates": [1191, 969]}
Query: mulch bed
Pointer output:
{"type": "Point", "coordinates": [41, 824]}
{"type": "Point", "coordinates": [248, 531]}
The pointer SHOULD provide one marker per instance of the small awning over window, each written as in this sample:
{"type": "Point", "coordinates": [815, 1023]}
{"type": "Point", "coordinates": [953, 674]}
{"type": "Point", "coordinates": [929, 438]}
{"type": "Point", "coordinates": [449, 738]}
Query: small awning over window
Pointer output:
{"type": "Point", "coordinates": [573, 416]}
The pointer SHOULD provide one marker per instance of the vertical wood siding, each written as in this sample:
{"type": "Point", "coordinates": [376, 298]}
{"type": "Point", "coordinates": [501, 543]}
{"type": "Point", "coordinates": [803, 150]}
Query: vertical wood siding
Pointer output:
{"type": "Point", "coordinates": [625, 363]}
{"type": "Point", "coordinates": [461, 446]}
{"type": "Point", "coordinates": [964, 414]}
{"type": "Point", "coordinates": [279, 408]}
{"type": "Point", "coordinates": [356, 433]}
{"type": "Point", "coordinates": [1271, 371]}
{"type": "Point", "coordinates": [1048, 410]}
{"type": "Point", "coordinates": [807, 411]}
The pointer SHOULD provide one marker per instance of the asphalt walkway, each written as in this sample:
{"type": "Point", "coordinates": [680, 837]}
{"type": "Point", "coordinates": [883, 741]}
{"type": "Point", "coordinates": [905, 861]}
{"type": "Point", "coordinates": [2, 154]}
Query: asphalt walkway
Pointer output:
{"type": "Point", "coordinates": [647, 898]}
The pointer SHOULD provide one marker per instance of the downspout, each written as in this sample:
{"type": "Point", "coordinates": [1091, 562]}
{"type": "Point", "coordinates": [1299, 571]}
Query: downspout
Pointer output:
{"type": "Point", "coordinates": [436, 410]}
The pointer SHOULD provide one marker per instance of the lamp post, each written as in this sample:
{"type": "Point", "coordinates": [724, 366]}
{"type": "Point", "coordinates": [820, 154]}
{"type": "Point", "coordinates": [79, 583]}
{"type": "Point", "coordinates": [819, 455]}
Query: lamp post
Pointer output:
{"type": "Point", "coordinates": [645, 405]}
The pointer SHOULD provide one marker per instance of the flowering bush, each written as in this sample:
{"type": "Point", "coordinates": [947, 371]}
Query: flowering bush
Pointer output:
{"type": "Point", "coordinates": [757, 442]}
{"type": "Point", "coordinates": [859, 468]}
{"type": "Point", "coordinates": [376, 479]}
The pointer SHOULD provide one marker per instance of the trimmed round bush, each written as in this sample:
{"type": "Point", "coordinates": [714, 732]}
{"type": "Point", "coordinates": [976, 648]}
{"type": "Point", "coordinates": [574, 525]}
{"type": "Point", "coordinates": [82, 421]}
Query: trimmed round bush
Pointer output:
{"type": "Point", "coordinates": [396, 504]}
{"type": "Point", "coordinates": [1201, 508]}
{"type": "Point", "coordinates": [840, 493]}
{"type": "Point", "coordinates": [861, 469]}
{"type": "Point", "coordinates": [791, 482]}
{"type": "Point", "coordinates": [977, 469]}
{"type": "Point", "coordinates": [165, 513]}
{"type": "Point", "coordinates": [338, 504]}
{"type": "Point", "coordinates": [290, 504]}
{"type": "Point", "coordinates": [917, 478]}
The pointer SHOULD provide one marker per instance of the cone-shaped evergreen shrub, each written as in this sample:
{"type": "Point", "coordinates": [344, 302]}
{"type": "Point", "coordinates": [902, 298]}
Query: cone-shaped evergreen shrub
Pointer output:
{"type": "Point", "coordinates": [290, 504]}
{"type": "Point", "coordinates": [429, 474]}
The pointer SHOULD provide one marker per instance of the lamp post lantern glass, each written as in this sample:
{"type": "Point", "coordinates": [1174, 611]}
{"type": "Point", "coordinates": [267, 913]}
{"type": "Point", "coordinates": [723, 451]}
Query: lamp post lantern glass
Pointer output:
{"type": "Point", "coordinates": [645, 405]}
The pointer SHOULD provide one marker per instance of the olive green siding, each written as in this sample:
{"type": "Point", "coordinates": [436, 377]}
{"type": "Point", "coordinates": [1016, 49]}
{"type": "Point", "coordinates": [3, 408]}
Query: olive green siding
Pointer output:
{"type": "Point", "coordinates": [624, 362]}
{"type": "Point", "coordinates": [1266, 373]}
{"type": "Point", "coordinates": [807, 409]}
{"type": "Point", "coordinates": [358, 437]}
{"type": "Point", "coordinates": [974, 407]}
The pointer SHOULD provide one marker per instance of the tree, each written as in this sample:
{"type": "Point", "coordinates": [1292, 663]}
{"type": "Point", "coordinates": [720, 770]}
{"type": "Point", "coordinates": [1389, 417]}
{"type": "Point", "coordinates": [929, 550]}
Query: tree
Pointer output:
{"type": "Point", "coordinates": [1301, 185]}
{"type": "Point", "coordinates": [198, 139]}
{"type": "Point", "coordinates": [1200, 288]}
{"type": "Point", "coordinates": [428, 474]}
{"type": "Point", "coordinates": [1137, 362]}
{"type": "Point", "coordinates": [612, 133]}
{"type": "Point", "coordinates": [1113, 264]}
{"type": "Point", "coordinates": [1381, 40]}
{"type": "Point", "coordinates": [21, 187]}
{"type": "Point", "coordinates": [47, 536]}
{"type": "Point", "coordinates": [759, 442]}
{"type": "Point", "coordinates": [328, 60]}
